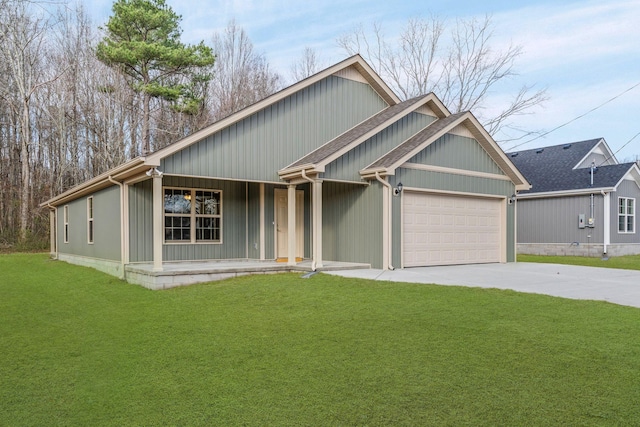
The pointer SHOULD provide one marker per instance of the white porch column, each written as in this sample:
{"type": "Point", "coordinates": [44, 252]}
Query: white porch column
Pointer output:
{"type": "Point", "coordinates": [291, 224]}
{"type": "Point", "coordinates": [607, 221]}
{"type": "Point", "coordinates": [317, 223]}
{"type": "Point", "coordinates": [158, 207]}
{"type": "Point", "coordinates": [386, 217]}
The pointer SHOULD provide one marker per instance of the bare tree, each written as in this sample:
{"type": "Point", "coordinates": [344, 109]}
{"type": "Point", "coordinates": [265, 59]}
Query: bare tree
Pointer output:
{"type": "Point", "coordinates": [23, 45]}
{"type": "Point", "coordinates": [307, 65]}
{"type": "Point", "coordinates": [462, 73]}
{"type": "Point", "coordinates": [241, 76]}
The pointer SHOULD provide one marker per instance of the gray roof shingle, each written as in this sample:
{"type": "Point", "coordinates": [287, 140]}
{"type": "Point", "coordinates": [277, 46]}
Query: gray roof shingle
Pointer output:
{"type": "Point", "coordinates": [550, 169]}
{"type": "Point", "coordinates": [353, 134]}
{"type": "Point", "coordinates": [412, 143]}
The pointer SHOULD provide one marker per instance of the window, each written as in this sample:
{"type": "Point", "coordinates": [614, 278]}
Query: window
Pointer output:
{"type": "Point", "coordinates": [90, 220]}
{"type": "Point", "coordinates": [66, 223]}
{"type": "Point", "coordinates": [626, 215]}
{"type": "Point", "coordinates": [192, 215]}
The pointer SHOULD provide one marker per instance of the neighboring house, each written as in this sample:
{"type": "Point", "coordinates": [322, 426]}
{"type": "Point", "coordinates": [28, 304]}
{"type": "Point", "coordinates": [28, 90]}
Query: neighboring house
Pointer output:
{"type": "Point", "coordinates": [310, 174]}
{"type": "Point", "coordinates": [582, 201]}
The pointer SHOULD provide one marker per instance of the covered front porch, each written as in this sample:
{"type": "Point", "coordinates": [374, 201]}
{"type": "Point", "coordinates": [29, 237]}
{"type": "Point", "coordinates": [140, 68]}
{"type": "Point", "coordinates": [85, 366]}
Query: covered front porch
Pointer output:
{"type": "Point", "coordinates": [182, 273]}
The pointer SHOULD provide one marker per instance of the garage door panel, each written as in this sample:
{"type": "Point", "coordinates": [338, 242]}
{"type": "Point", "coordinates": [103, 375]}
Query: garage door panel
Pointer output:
{"type": "Point", "coordinates": [444, 230]}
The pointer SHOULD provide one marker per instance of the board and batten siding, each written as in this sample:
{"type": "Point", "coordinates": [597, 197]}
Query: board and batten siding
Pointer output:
{"type": "Point", "coordinates": [555, 220]}
{"type": "Point", "coordinates": [455, 152]}
{"type": "Point", "coordinates": [106, 226]}
{"type": "Point", "coordinates": [598, 159]}
{"type": "Point", "coordinates": [141, 221]}
{"type": "Point", "coordinates": [256, 147]}
{"type": "Point", "coordinates": [459, 152]}
{"type": "Point", "coordinates": [454, 184]}
{"type": "Point", "coordinates": [240, 221]}
{"type": "Point", "coordinates": [347, 166]}
{"type": "Point", "coordinates": [625, 189]}
{"type": "Point", "coordinates": [352, 223]}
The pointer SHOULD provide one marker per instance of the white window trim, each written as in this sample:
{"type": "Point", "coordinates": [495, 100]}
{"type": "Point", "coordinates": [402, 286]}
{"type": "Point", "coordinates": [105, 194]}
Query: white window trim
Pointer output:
{"type": "Point", "coordinates": [626, 215]}
{"type": "Point", "coordinates": [193, 216]}
{"type": "Point", "coordinates": [65, 219]}
{"type": "Point", "coordinates": [91, 231]}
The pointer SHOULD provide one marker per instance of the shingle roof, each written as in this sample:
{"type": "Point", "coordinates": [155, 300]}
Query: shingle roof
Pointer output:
{"type": "Point", "coordinates": [353, 134]}
{"type": "Point", "coordinates": [412, 143]}
{"type": "Point", "coordinates": [550, 169]}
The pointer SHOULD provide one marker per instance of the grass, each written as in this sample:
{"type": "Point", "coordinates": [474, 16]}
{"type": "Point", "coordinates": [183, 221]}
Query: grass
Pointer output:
{"type": "Point", "coordinates": [78, 347]}
{"type": "Point", "coordinates": [630, 262]}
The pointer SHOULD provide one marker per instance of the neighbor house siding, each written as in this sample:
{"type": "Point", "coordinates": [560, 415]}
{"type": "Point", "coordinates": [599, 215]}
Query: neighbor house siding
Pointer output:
{"type": "Point", "coordinates": [258, 146]}
{"type": "Point", "coordinates": [597, 159]}
{"type": "Point", "coordinates": [555, 220]}
{"type": "Point", "coordinates": [352, 223]}
{"type": "Point", "coordinates": [347, 166]}
{"type": "Point", "coordinates": [459, 152]}
{"type": "Point", "coordinates": [625, 189]}
{"type": "Point", "coordinates": [106, 226]}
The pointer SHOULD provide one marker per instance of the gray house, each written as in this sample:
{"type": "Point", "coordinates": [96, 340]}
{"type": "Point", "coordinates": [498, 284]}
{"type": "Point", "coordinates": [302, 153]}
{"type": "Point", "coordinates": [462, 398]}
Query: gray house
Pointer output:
{"type": "Point", "coordinates": [582, 201]}
{"type": "Point", "coordinates": [332, 171]}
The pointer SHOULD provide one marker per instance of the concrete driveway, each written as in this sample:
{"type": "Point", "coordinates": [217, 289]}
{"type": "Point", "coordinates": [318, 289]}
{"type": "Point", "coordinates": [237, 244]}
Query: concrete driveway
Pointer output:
{"type": "Point", "coordinates": [567, 281]}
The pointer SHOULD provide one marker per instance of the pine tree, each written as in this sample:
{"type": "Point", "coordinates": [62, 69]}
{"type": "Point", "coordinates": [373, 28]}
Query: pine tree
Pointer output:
{"type": "Point", "coordinates": [143, 42]}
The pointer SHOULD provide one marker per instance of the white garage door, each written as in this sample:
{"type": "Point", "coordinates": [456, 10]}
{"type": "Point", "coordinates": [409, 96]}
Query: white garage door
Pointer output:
{"type": "Point", "coordinates": [445, 230]}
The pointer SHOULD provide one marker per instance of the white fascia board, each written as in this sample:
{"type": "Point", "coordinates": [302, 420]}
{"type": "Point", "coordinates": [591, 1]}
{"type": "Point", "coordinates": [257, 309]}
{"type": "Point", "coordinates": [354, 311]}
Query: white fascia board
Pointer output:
{"type": "Point", "coordinates": [565, 193]}
{"type": "Point", "coordinates": [99, 182]}
{"type": "Point", "coordinates": [321, 165]}
{"type": "Point", "coordinates": [383, 90]}
{"type": "Point", "coordinates": [419, 103]}
{"type": "Point", "coordinates": [602, 144]}
{"type": "Point", "coordinates": [634, 173]}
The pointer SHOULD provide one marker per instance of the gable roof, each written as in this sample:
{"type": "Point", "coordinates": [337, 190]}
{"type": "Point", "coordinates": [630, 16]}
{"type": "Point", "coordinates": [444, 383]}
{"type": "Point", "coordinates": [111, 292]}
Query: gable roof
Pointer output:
{"type": "Point", "coordinates": [356, 61]}
{"type": "Point", "coordinates": [141, 164]}
{"type": "Point", "coordinates": [319, 158]}
{"type": "Point", "coordinates": [387, 164]}
{"type": "Point", "coordinates": [554, 169]}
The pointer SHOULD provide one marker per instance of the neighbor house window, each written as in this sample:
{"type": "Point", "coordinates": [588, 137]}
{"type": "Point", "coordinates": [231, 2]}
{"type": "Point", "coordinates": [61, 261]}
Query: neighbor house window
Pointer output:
{"type": "Point", "coordinates": [90, 219]}
{"type": "Point", "coordinates": [626, 215]}
{"type": "Point", "coordinates": [192, 215]}
{"type": "Point", "coordinates": [66, 223]}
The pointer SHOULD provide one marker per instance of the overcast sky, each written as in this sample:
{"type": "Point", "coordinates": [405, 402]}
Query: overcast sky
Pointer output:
{"type": "Point", "coordinates": [583, 52]}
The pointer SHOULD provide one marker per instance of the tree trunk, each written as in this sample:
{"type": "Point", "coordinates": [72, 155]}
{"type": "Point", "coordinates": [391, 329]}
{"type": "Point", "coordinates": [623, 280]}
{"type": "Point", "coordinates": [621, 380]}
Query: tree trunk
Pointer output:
{"type": "Point", "coordinates": [26, 172]}
{"type": "Point", "coordinates": [146, 146]}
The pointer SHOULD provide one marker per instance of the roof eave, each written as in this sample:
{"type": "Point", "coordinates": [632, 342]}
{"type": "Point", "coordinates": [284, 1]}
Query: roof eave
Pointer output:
{"type": "Point", "coordinates": [357, 61]}
{"type": "Point", "coordinates": [564, 193]}
{"type": "Point", "coordinates": [120, 173]}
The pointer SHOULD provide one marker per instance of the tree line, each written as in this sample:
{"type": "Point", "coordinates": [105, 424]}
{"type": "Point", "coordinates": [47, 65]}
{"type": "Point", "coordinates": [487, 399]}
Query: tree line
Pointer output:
{"type": "Point", "coordinates": [77, 99]}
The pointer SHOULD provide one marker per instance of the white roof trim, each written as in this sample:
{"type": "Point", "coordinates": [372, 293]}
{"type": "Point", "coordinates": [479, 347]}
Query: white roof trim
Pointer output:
{"type": "Point", "coordinates": [479, 134]}
{"type": "Point", "coordinates": [603, 147]}
{"type": "Point", "coordinates": [319, 167]}
{"type": "Point", "coordinates": [356, 61]}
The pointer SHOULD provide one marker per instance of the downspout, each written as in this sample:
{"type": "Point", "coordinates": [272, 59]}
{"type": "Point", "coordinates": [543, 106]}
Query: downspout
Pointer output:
{"type": "Point", "coordinates": [122, 236]}
{"type": "Point", "coordinates": [606, 207]}
{"type": "Point", "coordinates": [313, 233]}
{"type": "Point", "coordinates": [389, 233]}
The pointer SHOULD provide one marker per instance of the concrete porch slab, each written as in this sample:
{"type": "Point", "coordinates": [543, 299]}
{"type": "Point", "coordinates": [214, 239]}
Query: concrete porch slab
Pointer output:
{"type": "Point", "coordinates": [175, 274]}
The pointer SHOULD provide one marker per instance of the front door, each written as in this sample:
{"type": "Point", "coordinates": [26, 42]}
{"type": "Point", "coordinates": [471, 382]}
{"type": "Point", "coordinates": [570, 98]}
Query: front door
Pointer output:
{"type": "Point", "coordinates": [282, 223]}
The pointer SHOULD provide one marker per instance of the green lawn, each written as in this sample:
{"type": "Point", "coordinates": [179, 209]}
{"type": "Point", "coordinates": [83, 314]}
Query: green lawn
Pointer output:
{"type": "Point", "coordinates": [78, 347]}
{"type": "Point", "coordinates": [631, 262]}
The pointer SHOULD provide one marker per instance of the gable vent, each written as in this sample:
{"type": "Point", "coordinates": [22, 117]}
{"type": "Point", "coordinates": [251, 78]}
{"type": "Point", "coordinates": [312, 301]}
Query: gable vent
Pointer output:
{"type": "Point", "coordinates": [566, 146]}
{"type": "Point", "coordinates": [540, 150]}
